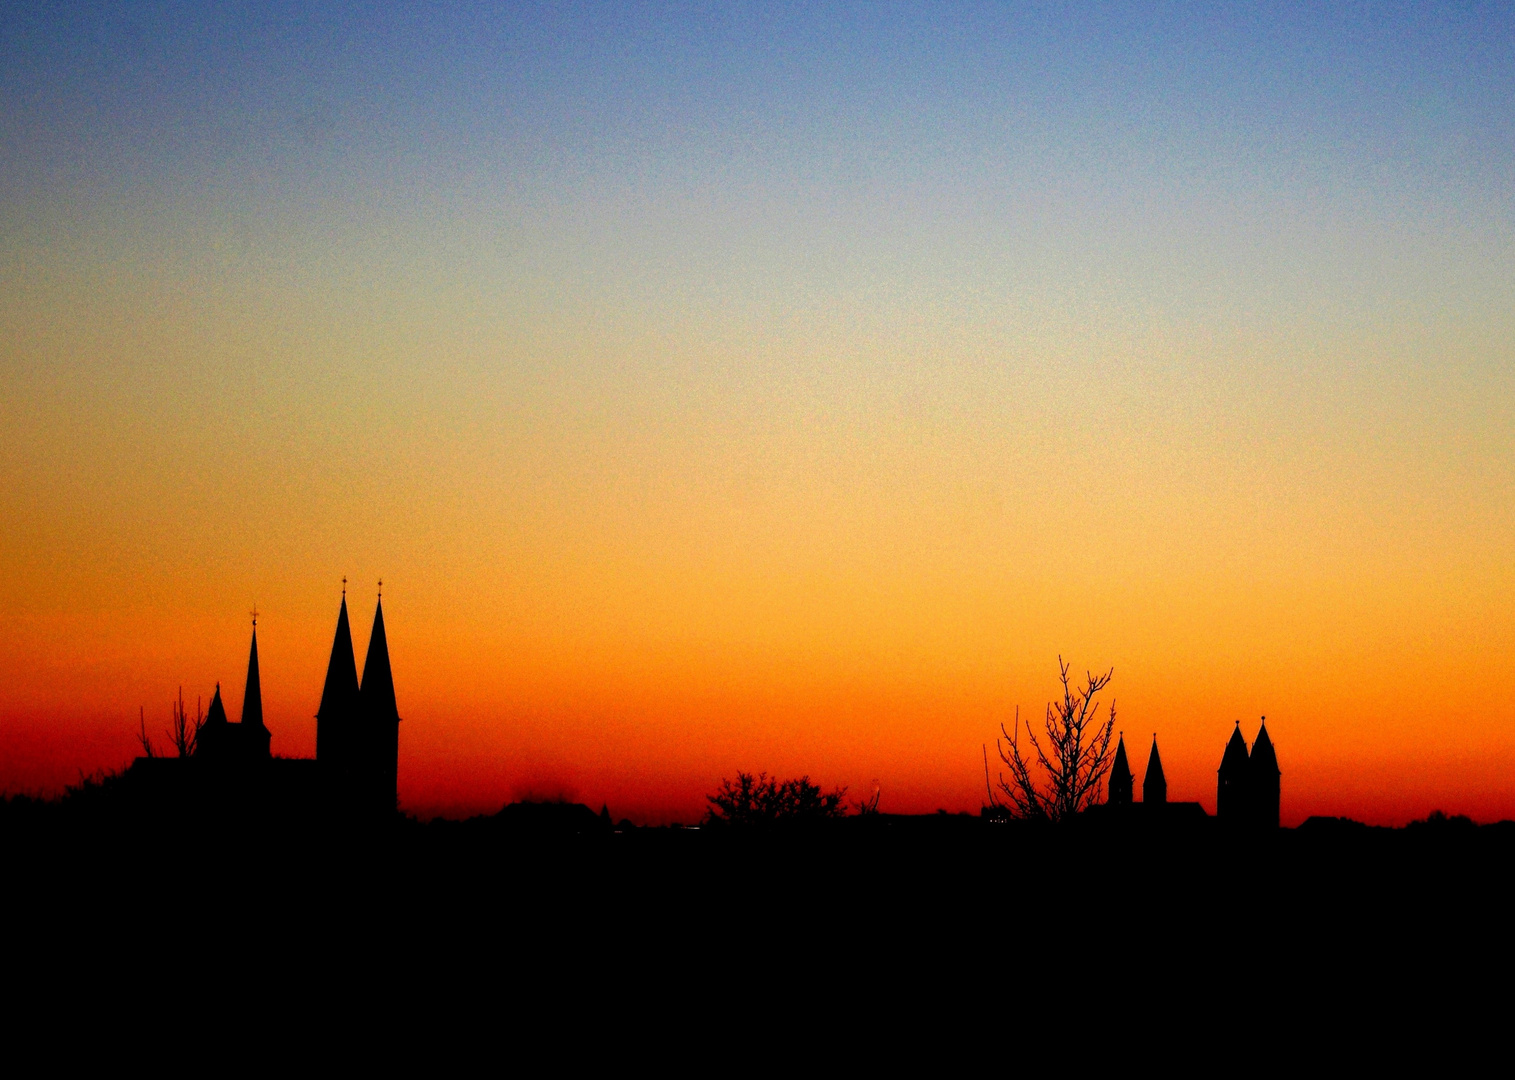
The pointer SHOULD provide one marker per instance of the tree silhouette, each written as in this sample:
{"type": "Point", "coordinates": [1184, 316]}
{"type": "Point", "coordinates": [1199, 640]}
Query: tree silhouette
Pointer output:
{"type": "Point", "coordinates": [869, 805]}
{"type": "Point", "coordinates": [145, 740]}
{"type": "Point", "coordinates": [759, 800]}
{"type": "Point", "coordinates": [185, 733]}
{"type": "Point", "coordinates": [1074, 760]}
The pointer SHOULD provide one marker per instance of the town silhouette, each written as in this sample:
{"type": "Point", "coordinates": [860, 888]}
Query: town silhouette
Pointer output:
{"type": "Point", "coordinates": [270, 853]}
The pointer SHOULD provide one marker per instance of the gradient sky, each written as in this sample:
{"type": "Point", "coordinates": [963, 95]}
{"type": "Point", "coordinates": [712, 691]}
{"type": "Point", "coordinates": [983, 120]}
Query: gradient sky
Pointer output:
{"type": "Point", "coordinates": [767, 387]}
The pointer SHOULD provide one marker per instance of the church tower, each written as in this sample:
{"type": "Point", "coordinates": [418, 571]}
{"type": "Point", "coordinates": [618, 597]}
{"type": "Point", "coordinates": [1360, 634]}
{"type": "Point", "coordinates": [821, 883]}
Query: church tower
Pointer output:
{"type": "Point", "coordinates": [336, 719]}
{"type": "Point", "coordinates": [1154, 784]}
{"type": "Point", "coordinates": [1231, 801]}
{"type": "Point", "coordinates": [1263, 779]}
{"type": "Point", "coordinates": [379, 725]}
{"type": "Point", "coordinates": [1120, 776]}
{"type": "Point", "coordinates": [254, 736]}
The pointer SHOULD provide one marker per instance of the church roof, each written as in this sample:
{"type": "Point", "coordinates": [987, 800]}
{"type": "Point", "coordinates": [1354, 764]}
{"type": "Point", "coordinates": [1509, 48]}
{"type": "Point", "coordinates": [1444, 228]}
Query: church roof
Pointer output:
{"type": "Point", "coordinates": [252, 700]}
{"type": "Point", "coordinates": [341, 690]}
{"type": "Point", "coordinates": [378, 688]}
{"type": "Point", "coordinates": [215, 716]}
{"type": "Point", "coordinates": [1235, 758]}
{"type": "Point", "coordinates": [1154, 768]}
{"type": "Point", "coordinates": [1264, 760]}
{"type": "Point", "coordinates": [1121, 766]}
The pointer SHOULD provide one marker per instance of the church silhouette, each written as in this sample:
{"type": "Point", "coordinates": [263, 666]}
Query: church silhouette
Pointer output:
{"type": "Point", "coordinates": [356, 768]}
{"type": "Point", "coordinates": [1247, 792]}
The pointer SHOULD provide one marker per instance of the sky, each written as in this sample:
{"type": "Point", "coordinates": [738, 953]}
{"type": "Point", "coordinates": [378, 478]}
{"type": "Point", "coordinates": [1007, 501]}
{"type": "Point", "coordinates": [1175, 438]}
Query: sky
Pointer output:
{"type": "Point", "coordinates": [766, 387]}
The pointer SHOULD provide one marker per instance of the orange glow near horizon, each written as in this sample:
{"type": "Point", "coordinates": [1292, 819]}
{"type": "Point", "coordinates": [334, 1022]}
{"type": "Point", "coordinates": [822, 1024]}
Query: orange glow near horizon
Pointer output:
{"type": "Point", "coordinates": [782, 391]}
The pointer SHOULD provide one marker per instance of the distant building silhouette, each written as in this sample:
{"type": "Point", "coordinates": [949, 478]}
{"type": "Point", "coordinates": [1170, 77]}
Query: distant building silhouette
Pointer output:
{"type": "Point", "coordinates": [1248, 786]}
{"type": "Point", "coordinates": [1120, 776]}
{"type": "Point", "coordinates": [356, 768]}
{"type": "Point", "coordinates": [358, 725]}
{"type": "Point", "coordinates": [1248, 794]}
{"type": "Point", "coordinates": [222, 741]}
{"type": "Point", "coordinates": [1154, 784]}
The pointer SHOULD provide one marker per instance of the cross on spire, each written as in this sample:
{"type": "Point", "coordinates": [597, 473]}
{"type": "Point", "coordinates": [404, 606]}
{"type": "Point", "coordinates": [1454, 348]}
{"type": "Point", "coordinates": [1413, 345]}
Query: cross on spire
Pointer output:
{"type": "Point", "coordinates": [255, 616]}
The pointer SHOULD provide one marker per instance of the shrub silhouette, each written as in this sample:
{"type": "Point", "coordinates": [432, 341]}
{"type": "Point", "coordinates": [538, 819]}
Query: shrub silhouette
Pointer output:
{"type": "Point", "coordinates": [759, 800]}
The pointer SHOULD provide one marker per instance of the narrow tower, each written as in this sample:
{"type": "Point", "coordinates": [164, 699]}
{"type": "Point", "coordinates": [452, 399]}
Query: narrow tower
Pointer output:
{"type": "Point", "coordinates": [1231, 802]}
{"type": "Point", "coordinates": [1120, 776]}
{"type": "Point", "coordinates": [337, 716]}
{"type": "Point", "coordinates": [1154, 784]}
{"type": "Point", "coordinates": [254, 736]}
{"type": "Point", "coordinates": [379, 724]}
{"type": "Point", "coordinates": [1262, 779]}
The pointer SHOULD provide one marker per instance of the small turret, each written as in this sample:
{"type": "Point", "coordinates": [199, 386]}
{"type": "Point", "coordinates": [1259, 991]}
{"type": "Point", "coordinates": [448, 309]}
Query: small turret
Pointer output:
{"type": "Point", "coordinates": [1120, 776]}
{"type": "Point", "coordinates": [211, 743]}
{"type": "Point", "coordinates": [1154, 784]}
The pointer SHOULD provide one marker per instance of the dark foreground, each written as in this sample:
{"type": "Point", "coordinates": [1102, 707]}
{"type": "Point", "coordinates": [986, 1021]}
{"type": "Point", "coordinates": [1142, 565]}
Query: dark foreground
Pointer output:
{"type": "Point", "coordinates": [866, 907]}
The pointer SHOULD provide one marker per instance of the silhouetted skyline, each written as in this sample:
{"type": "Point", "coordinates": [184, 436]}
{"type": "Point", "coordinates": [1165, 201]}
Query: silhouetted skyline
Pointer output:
{"type": "Point", "coordinates": [770, 387]}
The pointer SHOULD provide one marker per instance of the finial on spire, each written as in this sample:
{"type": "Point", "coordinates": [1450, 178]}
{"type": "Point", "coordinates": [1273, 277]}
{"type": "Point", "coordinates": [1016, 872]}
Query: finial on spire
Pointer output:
{"type": "Point", "coordinates": [255, 616]}
{"type": "Point", "coordinates": [381, 587]}
{"type": "Point", "coordinates": [344, 586]}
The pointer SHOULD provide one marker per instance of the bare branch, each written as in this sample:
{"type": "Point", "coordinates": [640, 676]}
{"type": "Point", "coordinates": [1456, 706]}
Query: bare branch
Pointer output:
{"type": "Point", "coordinates": [1074, 759]}
{"type": "Point", "coordinates": [148, 749]}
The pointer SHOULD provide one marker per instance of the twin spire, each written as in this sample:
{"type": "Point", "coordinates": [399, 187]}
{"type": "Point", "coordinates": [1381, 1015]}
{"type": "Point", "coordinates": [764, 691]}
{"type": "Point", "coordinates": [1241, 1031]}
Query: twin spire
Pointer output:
{"type": "Point", "coordinates": [357, 724]}
{"type": "Point", "coordinates": [1154, 786]}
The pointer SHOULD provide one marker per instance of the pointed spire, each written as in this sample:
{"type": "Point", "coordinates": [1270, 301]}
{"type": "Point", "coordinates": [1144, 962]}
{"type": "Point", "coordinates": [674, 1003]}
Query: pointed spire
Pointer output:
{"type": "Point", "coordinates": [1263, 779]}
{"type": "Point", "coordinates": [216, 714]}
{"type": "Point", "coordinates": [211, 742]}
{"type": "Point", "coordinates": [1120, 775]}
{"type": "Point", "coordinates": [378, 729]}
{"type": "Point", "coordinates": [1231, 800]}
{"type": "Point", "coordinates": [378, 688]}
{"type": "Point", "coordinates": [1263, 756]}
{"type": "Point", "coordinates": [252, 737]}
{"type": "Point", "coordinates": [339, 697]}
{"type": "Point", "coordinates": [1154, 784]}
{"type": "Point", "coordinates": [1235, 756]}
{"type": "Point", "coordinates": [252, 700]}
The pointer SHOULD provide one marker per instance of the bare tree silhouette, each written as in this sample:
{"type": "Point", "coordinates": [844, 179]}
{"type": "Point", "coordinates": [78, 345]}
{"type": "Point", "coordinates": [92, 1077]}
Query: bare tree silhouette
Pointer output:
{"type": "Point", "coordinates": [148, 749]}
{"type": "Point", "coordinates": [185, 733]}
{"type": "Point", "coordinates": [870, 804]}
{"type": "Point", "coordinates": [1074, 760]}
